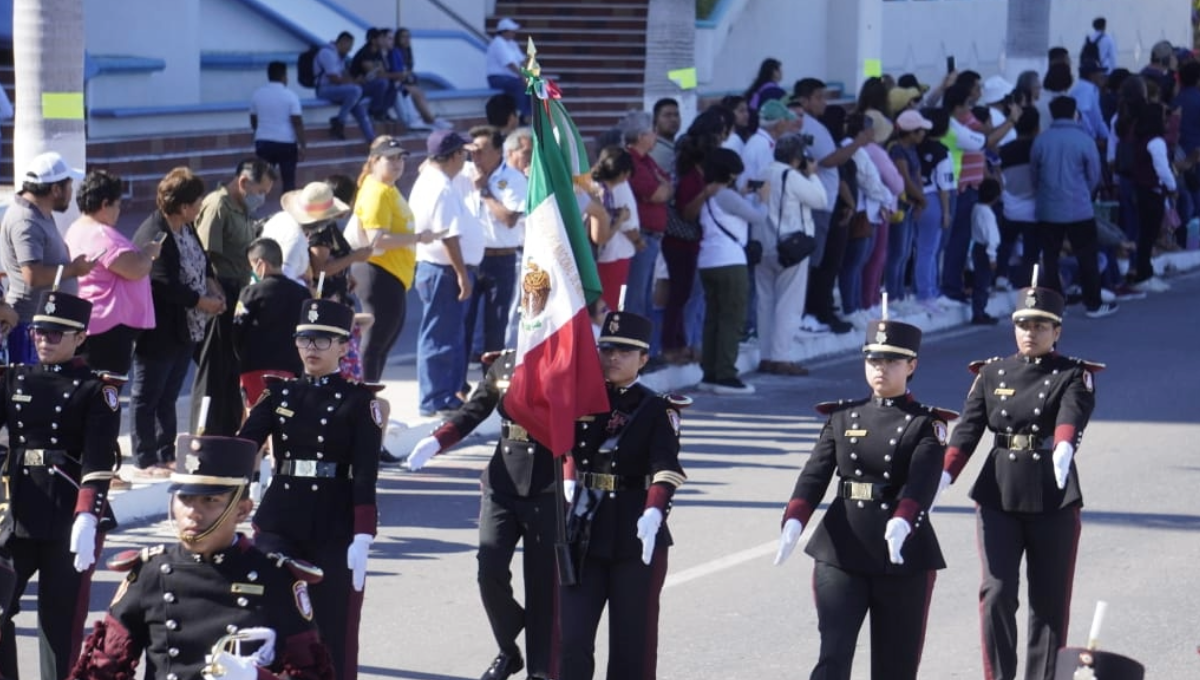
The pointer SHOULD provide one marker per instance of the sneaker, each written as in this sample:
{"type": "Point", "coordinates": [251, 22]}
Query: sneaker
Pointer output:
{"type": "Point", "coordinates": [1107, 295]}
{"type": "Point", "coordinates": [931, 307]}
{"type": "Point", "coordinates": [706, 384]}
{"type": "Point", "coordinates": [732, 386]}
{"type": "Point", "coordinates": [949, 304]}
{"type": "Point", "coordinates": [839, 326]}
{"type": "Point", "coordinates": [1105, 309]}
{"type": "Point", "coordinates": [984, 319]}
{"type": "Point", "coordinates": [1158, 285]}
{"type": "Point", "coordinates": [809, 324]}
{"type": "Point", "coordinates": [1126, 292]}
{"type": "Point", "coordinates": [859, 319]}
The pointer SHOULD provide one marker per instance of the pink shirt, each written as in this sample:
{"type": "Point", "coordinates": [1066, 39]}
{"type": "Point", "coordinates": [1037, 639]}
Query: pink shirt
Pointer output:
{"type": "Point", "coordinates": [115, 299]}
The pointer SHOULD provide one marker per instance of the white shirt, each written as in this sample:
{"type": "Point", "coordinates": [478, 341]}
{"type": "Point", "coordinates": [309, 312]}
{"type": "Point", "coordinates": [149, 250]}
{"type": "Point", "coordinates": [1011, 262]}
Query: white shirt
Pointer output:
{"type": "Point", "coordinates": [439, 205]}
{"type": "Point", "coordinates": [984, 231]}
{"type": "Point", "coordinates": [790, 205]}
{"type": "Point", "coordinates": [967, 139]}
{"type": "Point", "coordinates": [759, 153]}
{"type": "Point", "coordinates": [283, 229]}
{"type": "Point", "coordinates": [736, 214]}
{"type": "Point", "coordinates": [998, 119]}
{"type": "Point", "coordinates": [619, 247]}
{"type": "Point", "coordinates": [274, 105]}
{"type": "Point", "coordinates": [501, 53]}
{"type": "Point", "coordinates": [511, 188]}
{"type": "Point", "coordinates": [1107, 48]}
{"type": "Point", "coordinates": [1162, 166]}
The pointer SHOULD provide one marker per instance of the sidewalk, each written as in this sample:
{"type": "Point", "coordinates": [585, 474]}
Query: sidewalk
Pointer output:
{"type": "Point", "coordinates": [148, 501]}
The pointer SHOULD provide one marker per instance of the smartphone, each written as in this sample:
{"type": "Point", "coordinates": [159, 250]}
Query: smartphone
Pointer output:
{"type": "Point", "coordinates": [98, 255]}
{"type": "Point", "coordinates": [160, 238]}
{"type": "Point", "coordinates": [950, 65]}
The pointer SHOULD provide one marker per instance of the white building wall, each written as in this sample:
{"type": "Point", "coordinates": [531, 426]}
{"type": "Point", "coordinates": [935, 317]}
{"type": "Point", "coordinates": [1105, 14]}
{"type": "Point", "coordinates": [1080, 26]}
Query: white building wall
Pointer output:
{"type": "Point", "coordinates": [146, 28]}
{"type": "Point", "coordinates": [769, 28]}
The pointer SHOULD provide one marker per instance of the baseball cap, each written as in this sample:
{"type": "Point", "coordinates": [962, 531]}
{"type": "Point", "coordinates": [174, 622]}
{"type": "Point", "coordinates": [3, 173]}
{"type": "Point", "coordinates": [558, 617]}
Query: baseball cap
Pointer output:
{"type": "Point", "coordinates": [995, 89]}
{"type": "Point", "coordinates": [445, 142]}
{"type": "Point", "coordinates": [507, 24]}
{"type": "Point", "coordinates": [48, 168]}
{"type": "Point", "coordinates": [913, 120]}
{"type": "Point", "coordinates": [774, 111]}
{"type": "Point", "coordinates": [387, 145]}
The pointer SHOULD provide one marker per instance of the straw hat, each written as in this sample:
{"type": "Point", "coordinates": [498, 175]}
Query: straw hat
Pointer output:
{"type": "Point", "coordinates": [314, 203]}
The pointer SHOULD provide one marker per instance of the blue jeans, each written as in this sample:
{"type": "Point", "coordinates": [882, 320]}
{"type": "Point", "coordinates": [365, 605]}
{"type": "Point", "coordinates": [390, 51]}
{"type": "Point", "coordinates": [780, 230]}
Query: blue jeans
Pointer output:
{"type": "Point", "coordinates": [156, 380]}
{"type": "Point", "coordinates": [858, 251]}
{"type": "Point", "coordinates": [929, 235]}
{"type": "Point", "coordinates": [515, 87]}
{"type": "Point", "coordinates": [20, 346]}
{"type": "Point", "coordinates": [441, 338]}
{"type": "Point", "coordinates": [639, 286]}
{"type": "Point", "coordinates": [492, 296]}
{"type": "Point", "coordinates": [900, 248]}
{"type": "Point", "coordinates": [349, 96]}
{"type": "Point", "coordinates": [958, 243]}
{"type": "Point", "coordinates": [693, 314]}
{"type": "Point", "coordinates": [1128, 210]}
{"type": "Point", "coordinates": [382, 93]}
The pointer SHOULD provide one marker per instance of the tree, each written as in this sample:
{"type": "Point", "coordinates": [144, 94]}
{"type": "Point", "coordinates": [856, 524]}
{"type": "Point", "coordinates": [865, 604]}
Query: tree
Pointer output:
{"type": "Point", "coordinates": [48, 44]}
{"type": "Point", "coordinates": [670, 45]}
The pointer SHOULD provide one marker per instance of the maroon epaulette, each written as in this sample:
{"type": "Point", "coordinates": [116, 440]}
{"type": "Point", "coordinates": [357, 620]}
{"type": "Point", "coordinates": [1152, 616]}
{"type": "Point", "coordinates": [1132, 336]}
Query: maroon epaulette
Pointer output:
{"type": "Point", "coordinates": [1093, 366]}
{"type": "Point", "coordinates": [126, 560]}
{"type": "Point", "coordinates": [974, 366]}
{"type": "Point", "coordinates": [827, 407]}
{"type": "Point", "coordinates": [112, 378]}
{"type": "Point", "coordinates": [678, 401]}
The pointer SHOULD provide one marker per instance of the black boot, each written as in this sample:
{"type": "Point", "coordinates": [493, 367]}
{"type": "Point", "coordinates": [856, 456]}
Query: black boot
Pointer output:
{"type": "Point", "coordinates": [337, 129]}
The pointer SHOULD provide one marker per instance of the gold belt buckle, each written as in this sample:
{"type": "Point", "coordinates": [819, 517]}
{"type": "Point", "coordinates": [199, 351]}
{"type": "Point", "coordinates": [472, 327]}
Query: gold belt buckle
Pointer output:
{"type": "Point", "coordinates": [517, 433]}
{"type": "Point", "coordinates": [304, 468]}
{"type": "Point", "coordinates": [603, 482]}
{"type": "Point", "coordinates": [35, 457]}
{"type": "Point", "coordinates": [861, 491]}
{"type": "Point", "coordinates": [1021, 442]}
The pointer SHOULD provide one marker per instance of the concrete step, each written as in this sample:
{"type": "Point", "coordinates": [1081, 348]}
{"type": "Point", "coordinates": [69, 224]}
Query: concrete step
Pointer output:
{"type": "Point", "coordinates": [524, 9]}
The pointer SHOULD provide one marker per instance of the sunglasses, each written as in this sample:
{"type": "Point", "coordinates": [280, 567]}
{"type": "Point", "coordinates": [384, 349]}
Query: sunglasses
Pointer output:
{"type": "Point", "coordinates": [52, 337]}
{"type": "Point", "coordinates": [317, 342]}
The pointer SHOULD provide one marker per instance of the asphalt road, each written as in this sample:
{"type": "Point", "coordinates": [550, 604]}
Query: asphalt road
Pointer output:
{"type": "Point", "coordinates": [728, 613]}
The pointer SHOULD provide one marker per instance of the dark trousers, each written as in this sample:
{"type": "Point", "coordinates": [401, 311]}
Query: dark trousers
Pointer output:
{"type": "Point", "coordinates": [495, 287]}
{"type": "Point", "coordinates": [217, 373]}
{"type": "Point", "coordinates": [681, 271]}
{"type": "Point", "coordinates": [285, 155]}
{"type": "Point", "coordinates": [631, 590]}
{"type": "Point", "coordinates": [1150, 211]}
{"type": "Point", "coordinates": [503, 521]}
{"type": "Point", "coordinates": [981, 279]}
{"type": "Point", "coordinates": [958, 242]}
{"type": "Point", "coordinates": [726, 295]}
{"type": "Point", "coordinates": [337, 607]}
{"type": "Point", "coordinates": [1049, 542]}
{"type": "Point", "coordinates": [824, 274]}
{"type": "Point", "coordinates": [112, 350]}
{"type": "Point", "coordinates": [62, 604]}
{"type": "Point", "coordinates": [899, 608]}
{"type": "Point", "coordinates": [156, 381]}
{"type": "Point", "coordinates": [1010, 232]}
{"type": "Point", "coordinates": [384, 296]}
{"type": "Point", "coordinates": [1084, 245]}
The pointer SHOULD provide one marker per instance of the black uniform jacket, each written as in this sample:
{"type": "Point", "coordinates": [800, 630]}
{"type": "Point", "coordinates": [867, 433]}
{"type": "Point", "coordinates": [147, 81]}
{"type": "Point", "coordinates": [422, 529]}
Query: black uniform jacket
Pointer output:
{"type": "Point", "coordinates": [894, 449]}
{"type": "Point", "coordinates": [264, 322]}
{"type": "Point", "coordinates": [63, 421]}
{"type": "Point", "coordinates": [325, 434]}
{"type": "Point", "coordinates": [1048, 399]}
{"type": "Point", "coordinates": [520, 466]}
{"type": "Point", "coordinates": [637, 440]}
{"type": "Point", "coordinates": [175, 605]}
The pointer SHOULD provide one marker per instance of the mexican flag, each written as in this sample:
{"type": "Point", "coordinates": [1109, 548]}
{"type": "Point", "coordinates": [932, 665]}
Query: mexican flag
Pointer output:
{"type": "Point", "coordinates": [557, 377]}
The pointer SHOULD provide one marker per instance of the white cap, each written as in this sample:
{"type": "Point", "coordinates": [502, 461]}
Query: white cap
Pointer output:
{"type": "Point", "coordinates": [507, 24]}
{"type": "Point", "coordinates": [995, 89]}
{"type": "Point", "coordinates": [48, 168]}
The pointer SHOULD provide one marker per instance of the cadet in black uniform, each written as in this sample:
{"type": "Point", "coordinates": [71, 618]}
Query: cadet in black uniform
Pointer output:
{"type": "Point", "coordinates": [1037, 403]}
{"type": "Point", "coordinates": [875, 549]}
{"type": "Point", "coordinates": [178, 602]}
{"type": "Point", "coordinates": [320, 507]}
{"type": "Point", "coordinates": [627, 464]}
{"type": "Point", "coordinates": [63, 422]}
{"type": "Point", "coordinates": [517, 505]}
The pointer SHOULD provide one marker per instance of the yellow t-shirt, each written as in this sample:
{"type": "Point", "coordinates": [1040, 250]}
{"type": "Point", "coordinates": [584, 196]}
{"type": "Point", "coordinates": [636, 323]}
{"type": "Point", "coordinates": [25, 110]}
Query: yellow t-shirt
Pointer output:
{"type": "Point", "coordinates": [380, 206]}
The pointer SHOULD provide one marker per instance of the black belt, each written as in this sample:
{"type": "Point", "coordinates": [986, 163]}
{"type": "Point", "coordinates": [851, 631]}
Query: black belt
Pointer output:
{"type": "Point", "coordinates": [314, 468]}
{"type": "Point", "coordinates": [513, 432]}
{"type": "Point", "coordinates": [866, 491]}
{"type": "Point", "coordinates": [1023, 442]}
{"type": "Point", "coordinates": [603, 482]}
{"type": "Point", "coordinates": [43, 457]}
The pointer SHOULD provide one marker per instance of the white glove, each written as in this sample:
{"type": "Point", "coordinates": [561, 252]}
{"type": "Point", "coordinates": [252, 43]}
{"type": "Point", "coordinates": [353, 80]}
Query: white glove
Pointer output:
{"type": "Point", "coordinates": [231, 668]}
{"type": "Point", "coordinates": [788, 539]}
{"type": "Point", "coordinates": [421, 453]}
{"type": "Point", "coordinates": [1063, 453]}
{"type": "Point", "coordinates": [83, 541]}
{"type": "Point", "coordinates": [569, 489]}
{"type": "Point", "coordinates": [896, 531]}
{"type": "Point", "coordinates": [356, 559]}
{"type": "Point", "coordinates": [942, 486]}
{"type": "Point", "coordinates": [647, 530]}
{"type": "Point", "coordinates": [265, 654]}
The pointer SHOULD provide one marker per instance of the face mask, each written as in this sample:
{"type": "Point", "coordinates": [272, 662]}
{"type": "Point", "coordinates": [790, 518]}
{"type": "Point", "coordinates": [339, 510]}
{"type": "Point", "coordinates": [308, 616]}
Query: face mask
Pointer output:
{"type": "Point", "coordinates": [255, 201]}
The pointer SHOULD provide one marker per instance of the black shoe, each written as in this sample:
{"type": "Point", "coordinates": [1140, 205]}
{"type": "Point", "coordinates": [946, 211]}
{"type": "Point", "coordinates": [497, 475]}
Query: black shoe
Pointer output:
{"type": "Point", "coordinates": [386, 456]}
{"type": "Point", "coordinates": [337, 129]}
{"type": "Point", "coordinates": [984, 319]}
{"type": "Point", "coordinates": [503, 666]}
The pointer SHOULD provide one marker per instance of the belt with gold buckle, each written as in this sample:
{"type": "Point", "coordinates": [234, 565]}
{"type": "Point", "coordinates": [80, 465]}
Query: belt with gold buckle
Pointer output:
{"type": "Point", "coordinates": [865, 491]}
{"type": "Point", "coordinates": [1022, 442]}
{"type": "Point", "coordinates": [313, 468]}
{"type": "Point", "coordinates": [43, 457]}
{"type": "Point", "coordinates": [514, 432]}
{"type": "Point", "coordinates": [605, 482]}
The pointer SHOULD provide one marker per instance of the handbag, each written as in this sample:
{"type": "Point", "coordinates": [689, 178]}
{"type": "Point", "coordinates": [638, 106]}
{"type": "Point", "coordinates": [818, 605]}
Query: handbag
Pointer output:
{"type": "Point", "coordinates": [753, 248]}
{"type": "Point", "coordinates": [796, 246]}
{"type": "Point", "coordinates": [681, 229]}
{"type": "Point", "coordinates": [860, 226]}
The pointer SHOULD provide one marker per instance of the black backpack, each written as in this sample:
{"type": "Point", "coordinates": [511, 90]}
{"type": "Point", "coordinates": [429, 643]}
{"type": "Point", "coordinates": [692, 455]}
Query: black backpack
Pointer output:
{"type": "Point", "coordinates": [1091, 49]}
{"type": "Point", "coordinates": [306, 67]}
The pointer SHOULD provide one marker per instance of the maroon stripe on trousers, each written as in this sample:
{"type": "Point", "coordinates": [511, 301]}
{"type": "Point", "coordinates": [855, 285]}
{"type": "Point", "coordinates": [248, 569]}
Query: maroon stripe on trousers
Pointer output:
{"type": "Point", "coordinates": [79, 617]}
{"type": "Point", "coordinates": [658, 576]}
{"type": "Point", "coordinates": [932, 577]}
{"type": "Point", "coordinates": [989, 673]}
{"type": "Point", "coordinates": [1071, 573]}
{"type": "Point", "coordinates": [353, 619]}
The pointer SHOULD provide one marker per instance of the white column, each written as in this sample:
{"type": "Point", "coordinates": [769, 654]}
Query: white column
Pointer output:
{"type": "Point", "coordinates": [854, 36]}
